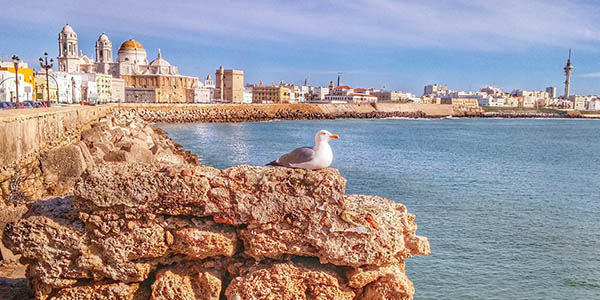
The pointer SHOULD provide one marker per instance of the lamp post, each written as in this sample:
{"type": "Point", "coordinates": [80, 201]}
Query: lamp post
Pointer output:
{"type": "Point", "coordinates": [72, 90]}
{"type": "Point", "coordinates": [16, 61]}
{"type": "Point", "coordinates": [45, 65]}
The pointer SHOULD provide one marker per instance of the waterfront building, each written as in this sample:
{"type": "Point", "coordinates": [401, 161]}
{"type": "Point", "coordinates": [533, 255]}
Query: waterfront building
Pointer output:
{"type": "Point", "coordinates": [346, 94]}
{"type": "Point", "coordinates": [167, 88]}
{"type": "Point", "coordinates": [434, 89]}
{"type": "Point", "coordinates": [594, 104]}
{"type": "Point", "coordinates": [8, 89]}
{"type": "Point", "coordinates": [462, 103]}
{"type": "Point", "coordinates": [209, 82]}
{"type": "Point", "coordinates": [140, 95]}
{"type": "Point", "coordinates": [430, 100]}
{"type": "Point", "coordinates": [89, 91]}
{"type": "Point", "coordinates": [248, 92]}
{"type": "Point", "coordinates": [41, 92]}
{"type": "Point", "coordinates": [102, 84]}
{"type": "Point", "coordinates": [392, 96]}
{"type": "Point", "coordinates": [298, 93]}
{"type": "Point", "coordinates": [317, 94]}
{"type": "Point", "coordinates": [230, 85]}
{"type": "Point", "coordinates": [117, 89]}
{"type": "Point", "coordinates": [492, 91]}
{"type": "Point", "coordinates": [202, 95]}
{"type": "Point", "coordinates": [270, 94]}
{"type": "Point", "coordinates": [532, 98]}
{"type": "Point", "coordinates": [581, 102]}
{"type": "Point", "coordinates": [68, 86]}
{"type": "Point", "coordinates": [551, 92]}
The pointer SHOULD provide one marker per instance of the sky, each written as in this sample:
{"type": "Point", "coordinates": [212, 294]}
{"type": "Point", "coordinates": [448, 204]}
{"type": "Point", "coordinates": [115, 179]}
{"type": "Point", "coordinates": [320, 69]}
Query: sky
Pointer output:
{"type": "Point", "coordinates": [396, 45]}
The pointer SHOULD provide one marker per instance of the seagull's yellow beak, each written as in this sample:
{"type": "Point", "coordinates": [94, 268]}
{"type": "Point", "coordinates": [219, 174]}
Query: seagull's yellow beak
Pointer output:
{"type": "Point", "coordinates": [334, 136]}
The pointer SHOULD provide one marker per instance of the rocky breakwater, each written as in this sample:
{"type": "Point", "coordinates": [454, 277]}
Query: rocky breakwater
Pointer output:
{"type": "Point", "coordinates": [159, 231]}
{"type": "Point", "coordinates": [262, 112]}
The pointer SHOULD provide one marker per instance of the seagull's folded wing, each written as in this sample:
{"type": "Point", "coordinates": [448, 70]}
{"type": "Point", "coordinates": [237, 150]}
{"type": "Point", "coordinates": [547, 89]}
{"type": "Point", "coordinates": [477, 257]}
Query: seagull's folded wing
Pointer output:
{"type": "Point", "coordinates": [298, 156]}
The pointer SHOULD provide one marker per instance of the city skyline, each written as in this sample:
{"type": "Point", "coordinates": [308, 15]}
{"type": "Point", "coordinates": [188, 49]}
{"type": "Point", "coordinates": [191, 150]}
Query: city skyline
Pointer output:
{"type": "Point", "coordinates": [398, 46]}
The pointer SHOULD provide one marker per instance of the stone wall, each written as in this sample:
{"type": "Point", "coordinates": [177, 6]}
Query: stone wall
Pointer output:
{"type": "Point", "coordinates": [24, 133]}
{"type": "Point", "coordinates": [28, 135]}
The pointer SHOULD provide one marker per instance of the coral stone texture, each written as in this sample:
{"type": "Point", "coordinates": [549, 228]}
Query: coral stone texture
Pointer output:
{"type": "Point", "coordinates": [161, 226]}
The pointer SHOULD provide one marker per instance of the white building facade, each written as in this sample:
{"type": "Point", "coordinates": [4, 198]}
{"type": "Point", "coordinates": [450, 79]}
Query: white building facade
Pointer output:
{"type": "Point", "coordinates": [8, 87]}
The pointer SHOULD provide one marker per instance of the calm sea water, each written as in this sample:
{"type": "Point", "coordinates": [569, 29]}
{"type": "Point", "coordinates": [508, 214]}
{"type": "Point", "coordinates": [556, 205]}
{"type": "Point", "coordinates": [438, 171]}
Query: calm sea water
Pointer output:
{"type": "Point", "coordinates": [511, 207]}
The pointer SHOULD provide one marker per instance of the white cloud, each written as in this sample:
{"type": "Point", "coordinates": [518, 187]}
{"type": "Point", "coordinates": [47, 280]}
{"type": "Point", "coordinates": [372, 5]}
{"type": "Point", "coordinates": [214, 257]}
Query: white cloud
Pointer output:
{"type": "Point", "coordinates": [589, 75]}
{"type": "Point", "coordinates": [457, 24]}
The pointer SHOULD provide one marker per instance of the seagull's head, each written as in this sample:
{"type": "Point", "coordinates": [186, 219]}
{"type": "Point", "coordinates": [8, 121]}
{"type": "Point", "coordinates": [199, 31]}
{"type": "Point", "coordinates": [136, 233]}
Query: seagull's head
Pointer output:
{"type": "Point", "coordinates": [324, 136]}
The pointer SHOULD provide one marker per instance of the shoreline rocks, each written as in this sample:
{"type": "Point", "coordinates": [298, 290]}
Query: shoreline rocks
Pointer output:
{"type": "Point", "coordinates": [141, 228]}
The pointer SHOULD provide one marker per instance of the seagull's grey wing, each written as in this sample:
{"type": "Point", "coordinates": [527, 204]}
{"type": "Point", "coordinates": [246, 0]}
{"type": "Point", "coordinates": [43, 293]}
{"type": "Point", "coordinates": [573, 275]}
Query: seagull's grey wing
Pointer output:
{"type": "Point", "coordinates": [297, 156]}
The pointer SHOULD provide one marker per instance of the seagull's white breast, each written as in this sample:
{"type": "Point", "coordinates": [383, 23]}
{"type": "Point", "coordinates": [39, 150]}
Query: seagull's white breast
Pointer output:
{"type": "Point", "coordinates": [322, 159]}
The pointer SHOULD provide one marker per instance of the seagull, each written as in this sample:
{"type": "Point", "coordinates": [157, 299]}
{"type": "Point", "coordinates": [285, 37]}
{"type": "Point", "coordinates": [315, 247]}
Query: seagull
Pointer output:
{"type": "Point", "coordinates": [317, 157]}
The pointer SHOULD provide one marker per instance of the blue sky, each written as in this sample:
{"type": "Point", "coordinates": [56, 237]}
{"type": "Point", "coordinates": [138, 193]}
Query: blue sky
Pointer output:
{"type": "Point", "coordinates": [399, 45]}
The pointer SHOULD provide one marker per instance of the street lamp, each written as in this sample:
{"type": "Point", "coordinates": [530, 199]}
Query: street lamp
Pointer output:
{"type": "Point", "coordinates": [72, 90]}
{"type": "Point", "coordinates": [45, 65]}
{"type": "Point", "coordinates": [16, 61]}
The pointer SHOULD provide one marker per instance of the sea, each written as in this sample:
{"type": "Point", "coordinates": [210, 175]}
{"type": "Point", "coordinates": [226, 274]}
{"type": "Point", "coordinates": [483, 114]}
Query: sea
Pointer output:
{"type": "Point", "coordinates": [511, 207]}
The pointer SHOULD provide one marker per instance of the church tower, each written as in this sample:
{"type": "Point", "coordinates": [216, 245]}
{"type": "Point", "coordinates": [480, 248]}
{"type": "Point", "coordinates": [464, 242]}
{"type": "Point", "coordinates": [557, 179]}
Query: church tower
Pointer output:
{"type": "Point", "coordinates": [104, 53]}
{"type": "Point", "coordinates": [568, 68]}
{"type": "Point", "coordinates": [68, 57]}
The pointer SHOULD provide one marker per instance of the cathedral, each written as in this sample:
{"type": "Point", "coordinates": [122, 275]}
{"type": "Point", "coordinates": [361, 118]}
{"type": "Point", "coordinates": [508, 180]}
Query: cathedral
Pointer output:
{"type": "Point", "coordinates": [157, 81]}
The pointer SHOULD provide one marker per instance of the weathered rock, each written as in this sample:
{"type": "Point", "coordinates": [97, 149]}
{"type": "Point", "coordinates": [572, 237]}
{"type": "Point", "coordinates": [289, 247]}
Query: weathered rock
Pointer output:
{"type": "Point", "coordinates": [87, 156]}
{"type": "Point", "coordinates": [286, 211]}
{"type": "Point", "coordinates": [98, 292]}
{"type": "Point", "coordinates": [185, 284]}
{"type": "Point", "coordinates": [141, 153]}
{"type": "Point", "coordinates": [288, 281]}
{"type": "Point", "coordinates": [360, 277]}
{"type": "Point", "coordinates": [199, 244]}
{"type": "Point", "coordinates": [118, 156]}
{"type": "Point", "coordinates": [394, 285]}
{"type": "Point", "coordinates": [62, 167]}
{"type": "Point", "coordinates": [49, 238]}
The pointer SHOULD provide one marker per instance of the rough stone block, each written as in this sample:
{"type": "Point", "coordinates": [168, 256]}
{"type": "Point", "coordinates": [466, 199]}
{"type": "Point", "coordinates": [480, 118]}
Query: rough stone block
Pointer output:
{"type": "Point", "coordinates": [64, 164]}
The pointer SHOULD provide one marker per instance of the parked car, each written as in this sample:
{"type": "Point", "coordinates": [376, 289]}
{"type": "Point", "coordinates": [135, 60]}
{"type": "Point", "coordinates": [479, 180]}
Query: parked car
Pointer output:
{"type": "Point", "coordinates": [39, 104]}
{"type": "Point", "coordinates": [26, 104]}
{"type": "Point", "coordinates": [5, 105]}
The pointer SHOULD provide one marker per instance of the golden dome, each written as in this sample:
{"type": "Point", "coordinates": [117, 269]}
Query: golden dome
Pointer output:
{"type": "Point", "coordinates": [131, 45]}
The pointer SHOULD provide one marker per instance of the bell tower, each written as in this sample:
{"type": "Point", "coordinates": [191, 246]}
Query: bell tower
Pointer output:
{"type": "Point", "coordinates": [68, 58]}
{"type": "Point", "coordinates": [104, 53]}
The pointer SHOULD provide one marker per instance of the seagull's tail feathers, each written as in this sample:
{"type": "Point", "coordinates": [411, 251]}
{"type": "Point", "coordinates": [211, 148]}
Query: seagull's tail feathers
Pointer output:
{"type": "Point", "coordinates": [273, 163]}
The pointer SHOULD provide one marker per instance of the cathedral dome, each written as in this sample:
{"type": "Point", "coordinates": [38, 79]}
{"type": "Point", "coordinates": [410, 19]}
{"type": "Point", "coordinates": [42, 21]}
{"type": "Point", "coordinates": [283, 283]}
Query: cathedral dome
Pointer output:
{"type": "Point", "coordinates": [132, 52]}
{"type": "Point", "coordinates": [159, 61]}
{"type": "Point", "coordinates": [132, 45]}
